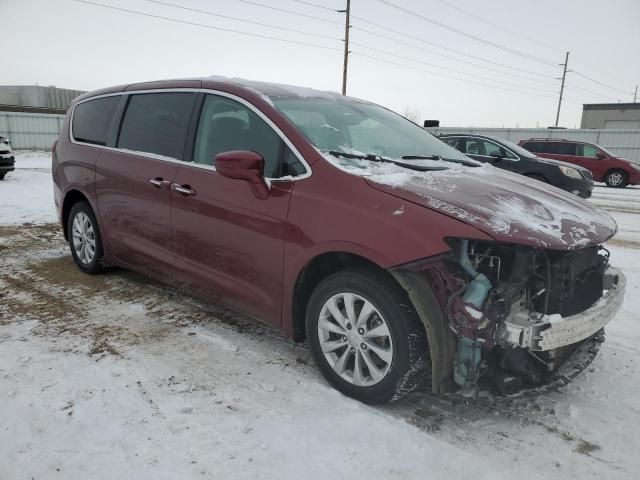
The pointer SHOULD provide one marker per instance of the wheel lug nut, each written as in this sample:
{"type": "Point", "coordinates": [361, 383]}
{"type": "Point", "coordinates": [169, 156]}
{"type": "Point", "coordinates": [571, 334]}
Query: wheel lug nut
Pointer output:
{"type": "Point", "coordinates": [363, 346]}
{"type": "Point", "coordinates": [349, 326]}
{"type": "Point", "coordinates": [344, 338]}
{"type": "Point", "coordinates": [353, 350]}
{"type": "Point", "coordinates": [361, 331]}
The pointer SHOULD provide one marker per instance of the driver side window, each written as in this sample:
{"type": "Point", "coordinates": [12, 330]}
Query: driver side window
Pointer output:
{"type": "Point", "coordinates": [227, 125]}
{"type": "Point", "coordinates": [586, 151]}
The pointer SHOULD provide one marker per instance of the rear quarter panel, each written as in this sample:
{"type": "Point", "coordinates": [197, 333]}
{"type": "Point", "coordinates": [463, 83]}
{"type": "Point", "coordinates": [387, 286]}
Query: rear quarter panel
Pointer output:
{"type": "Point", "coordinates": [73, 168]}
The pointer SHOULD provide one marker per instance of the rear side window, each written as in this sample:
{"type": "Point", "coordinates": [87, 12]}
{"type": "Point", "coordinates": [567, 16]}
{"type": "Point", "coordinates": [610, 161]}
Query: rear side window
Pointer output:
{"type": "Point", "coordinates": [157, 123]}
{"type": "Point", "coordinates": [536, 147]}
{"type": "Point", "coordinates": [561, 148]}
{"type": "Point", "coordinates": [91, 120]}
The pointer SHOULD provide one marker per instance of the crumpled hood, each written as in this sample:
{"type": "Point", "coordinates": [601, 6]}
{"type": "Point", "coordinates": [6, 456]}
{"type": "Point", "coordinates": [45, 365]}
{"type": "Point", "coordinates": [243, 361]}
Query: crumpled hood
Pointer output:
{"type": "Point", "coordinates": [510, 208]}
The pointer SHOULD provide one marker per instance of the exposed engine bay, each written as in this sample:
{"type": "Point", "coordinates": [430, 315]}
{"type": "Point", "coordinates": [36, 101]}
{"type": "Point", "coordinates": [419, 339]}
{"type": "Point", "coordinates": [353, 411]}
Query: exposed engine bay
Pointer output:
{"type": "Point", "coordinates": [519, 312]}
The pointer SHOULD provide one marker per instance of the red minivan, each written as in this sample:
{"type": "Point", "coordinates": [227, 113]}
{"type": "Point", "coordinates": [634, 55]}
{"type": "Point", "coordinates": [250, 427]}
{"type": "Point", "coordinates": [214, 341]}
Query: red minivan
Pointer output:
{"type": "Point", "coordinates": [395, 256]}
{"type": "Point", "coordinates": [604, 166]}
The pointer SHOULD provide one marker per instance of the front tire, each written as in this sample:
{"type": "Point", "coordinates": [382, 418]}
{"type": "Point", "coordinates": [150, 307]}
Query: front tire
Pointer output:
{"type": "Point", "coordinates": [365, 336]}
{"type": "Point", "coordinates": [84, 238]}
{"type": "Point", "coordinates": [617, 179]}
{"type": "Point", "coordinates": [2, 175]}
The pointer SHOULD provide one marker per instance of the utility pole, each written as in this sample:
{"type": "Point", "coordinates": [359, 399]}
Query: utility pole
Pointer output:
{"type": "Point", "coordinates": [345, 65]}
{"type": "Point", "coordinates": [635, 94]}
{"type": "Point", "coordinates": [564, 75]}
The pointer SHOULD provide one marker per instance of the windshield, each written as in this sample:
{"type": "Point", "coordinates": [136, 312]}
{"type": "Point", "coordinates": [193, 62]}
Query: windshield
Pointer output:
{"type": "Point", "coordinates": [362, 128]}
{"type": "Point", "coordinates": [517, 149]}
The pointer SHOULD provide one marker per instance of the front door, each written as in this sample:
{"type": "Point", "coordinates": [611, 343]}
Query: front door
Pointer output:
{"type": "Point", "coordinates": [133, 181]}
{"type": "Point", "coordinates": [587, 157]}
{"type": "Point", "coordinates": [487, 151]}
{"type": "Point", "coordinates": [229, 244]}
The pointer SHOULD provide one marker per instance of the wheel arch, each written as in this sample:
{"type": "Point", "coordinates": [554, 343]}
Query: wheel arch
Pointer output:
{"type": "Point", "coordinates": [317, 269]}
{"type": "Point", "coordinates": [72, 197]}
{"type": "Point", "coordinates": [537, 176]}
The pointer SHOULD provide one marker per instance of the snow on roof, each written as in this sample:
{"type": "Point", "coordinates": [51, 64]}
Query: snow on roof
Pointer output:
{"type": "Point", "coordinates": [280, 90]}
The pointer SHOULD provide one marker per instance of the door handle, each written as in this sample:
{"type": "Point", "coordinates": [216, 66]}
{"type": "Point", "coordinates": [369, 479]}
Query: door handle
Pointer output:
{"type": "Point", "coordinates": [159, 182]}
{"type": "Point", "coordinates": [185, 190]}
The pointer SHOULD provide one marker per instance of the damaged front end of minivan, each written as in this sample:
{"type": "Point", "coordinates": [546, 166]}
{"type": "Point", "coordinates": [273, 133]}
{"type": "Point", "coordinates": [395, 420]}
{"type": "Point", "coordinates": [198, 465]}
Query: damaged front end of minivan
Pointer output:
{"type": "Point", "coordinates": [510, 315]}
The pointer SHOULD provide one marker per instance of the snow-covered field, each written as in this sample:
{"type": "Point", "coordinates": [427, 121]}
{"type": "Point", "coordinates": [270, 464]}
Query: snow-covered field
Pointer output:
{"type": "Point", "coordinates": [114, 376]}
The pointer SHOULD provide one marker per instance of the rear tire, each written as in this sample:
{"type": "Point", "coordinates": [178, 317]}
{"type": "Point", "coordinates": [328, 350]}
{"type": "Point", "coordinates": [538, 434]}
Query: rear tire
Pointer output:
{"type": "Point", "coordinates": [381, 337]}
{"type": "Point", "coordinates": [2, 175]}
{"type": "Point", "coordinates": [616, 179]}
{"type": "Point", "coordinates": [84, 238]}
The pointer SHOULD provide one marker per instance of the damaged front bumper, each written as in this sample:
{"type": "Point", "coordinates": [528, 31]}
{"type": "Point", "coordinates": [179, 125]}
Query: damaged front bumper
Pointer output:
{"type": "Point", "coordinates": [549, 332]}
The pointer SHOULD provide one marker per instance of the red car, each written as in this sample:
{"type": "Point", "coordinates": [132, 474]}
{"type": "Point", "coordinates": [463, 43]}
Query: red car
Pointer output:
{"type": "Point", "coordinates": [604, 165]}
{"type": "Point", "coordinates": [395, 256]}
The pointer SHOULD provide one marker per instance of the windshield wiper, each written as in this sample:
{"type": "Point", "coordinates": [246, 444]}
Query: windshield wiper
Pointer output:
{"type": "Point", "coordinates": [468, 163]}
{"type": "Point", "coordinates": [377, 158]}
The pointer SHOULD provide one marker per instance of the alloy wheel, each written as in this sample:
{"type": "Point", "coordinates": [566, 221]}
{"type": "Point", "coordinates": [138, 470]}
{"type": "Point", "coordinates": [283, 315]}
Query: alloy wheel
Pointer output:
{"type": "Point", "coordinates": [83, 237]}
{"type": "Point", "coordinates": [355, 339]}
{"type": "Point", "coordinates": [616, 179]}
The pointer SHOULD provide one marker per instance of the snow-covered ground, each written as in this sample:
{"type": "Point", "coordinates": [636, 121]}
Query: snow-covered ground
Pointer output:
{"type": "Point", "coordinates": [114, 376]}
{"type": "Point", "coordinates": [27, 192]}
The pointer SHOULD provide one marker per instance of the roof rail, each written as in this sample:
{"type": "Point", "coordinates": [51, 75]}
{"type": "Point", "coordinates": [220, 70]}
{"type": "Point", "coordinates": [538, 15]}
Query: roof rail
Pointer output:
{"type": "Point", "coordinates": [548, 138]}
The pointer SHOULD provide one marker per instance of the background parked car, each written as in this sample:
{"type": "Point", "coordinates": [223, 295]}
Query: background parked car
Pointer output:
{"type": "Point", "coordinates": [7, 160]}
{"type": "Point", "coordinates": [604, 165]}
{"type": "Point", "coordinates": [509, 156]}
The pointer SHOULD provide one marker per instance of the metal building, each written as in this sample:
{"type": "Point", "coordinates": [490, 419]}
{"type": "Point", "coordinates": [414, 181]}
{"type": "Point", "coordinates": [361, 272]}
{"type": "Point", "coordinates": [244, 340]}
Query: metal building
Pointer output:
{"type": "Point", "coordinates": [610, 115]}
{"type": "Point", "coordinates": [37, 96]}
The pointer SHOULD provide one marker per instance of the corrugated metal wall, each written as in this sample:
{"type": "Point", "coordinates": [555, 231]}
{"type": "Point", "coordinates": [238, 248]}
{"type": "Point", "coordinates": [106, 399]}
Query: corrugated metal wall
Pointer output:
{"type": "Point", "coordinates": [31, 131]}
{"type": "Point", "coordinates": [625, 143]}
{"type": "Point", "coordinates": [37, 96]}
{"type": "Point", "coordinates": [600, 118]}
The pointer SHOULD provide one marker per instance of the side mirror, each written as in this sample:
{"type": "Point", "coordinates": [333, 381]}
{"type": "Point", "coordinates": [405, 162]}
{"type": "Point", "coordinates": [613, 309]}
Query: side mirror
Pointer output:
{"type": "Point", "coordinates": [600, 155]}
{"type": "Point", "coordinates": [244, 165]}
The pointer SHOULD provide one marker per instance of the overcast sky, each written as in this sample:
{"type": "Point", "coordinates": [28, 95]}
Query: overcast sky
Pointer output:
{"type": "Point", "coordinates": [80, 46]}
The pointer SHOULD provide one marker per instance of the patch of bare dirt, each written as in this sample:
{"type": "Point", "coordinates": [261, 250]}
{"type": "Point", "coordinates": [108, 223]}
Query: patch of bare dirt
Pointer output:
{"type": "Point", "coordinates": [40, 281]}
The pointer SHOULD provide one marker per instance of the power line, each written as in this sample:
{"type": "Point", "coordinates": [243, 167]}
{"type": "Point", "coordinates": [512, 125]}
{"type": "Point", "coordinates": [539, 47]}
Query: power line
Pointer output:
{"type": "Point", "coordinates": [284, 10]}
{"type": "Point", "coordinates": [205, 12]}
{"type": "Point", "coordinates": [170, 19]}
{"type": "Point", "coordinates": [600, 83]}
{"type": "Point", "coordinates": [448, 76]}
{"type": "Point", "coordinates": [446, 68]}
{"type": "Point", "coordinates": [466, 62]}
{"type": "Point", "coordinates": [323, 7]}
{"type": "Point", "coordinates": [427, 42]}
{"type": "Point", "coordinates": [588, 92]}
{"type": "Point", "coordinates": [497, 25]}
{"type": "Point", "coordinates": [468, 35]}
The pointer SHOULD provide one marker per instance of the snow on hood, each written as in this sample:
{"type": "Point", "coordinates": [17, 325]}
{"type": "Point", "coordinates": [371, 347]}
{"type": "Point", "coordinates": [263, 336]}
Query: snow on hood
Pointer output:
{"type": "Point", "coordinates": [509, 207]}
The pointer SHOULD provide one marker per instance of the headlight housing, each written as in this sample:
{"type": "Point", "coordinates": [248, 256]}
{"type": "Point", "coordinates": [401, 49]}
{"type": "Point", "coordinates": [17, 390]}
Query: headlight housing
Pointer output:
{"type": "Point", "coordinates": [570, 172]}
{"type": "Point", "coordinates": [635, 165]}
